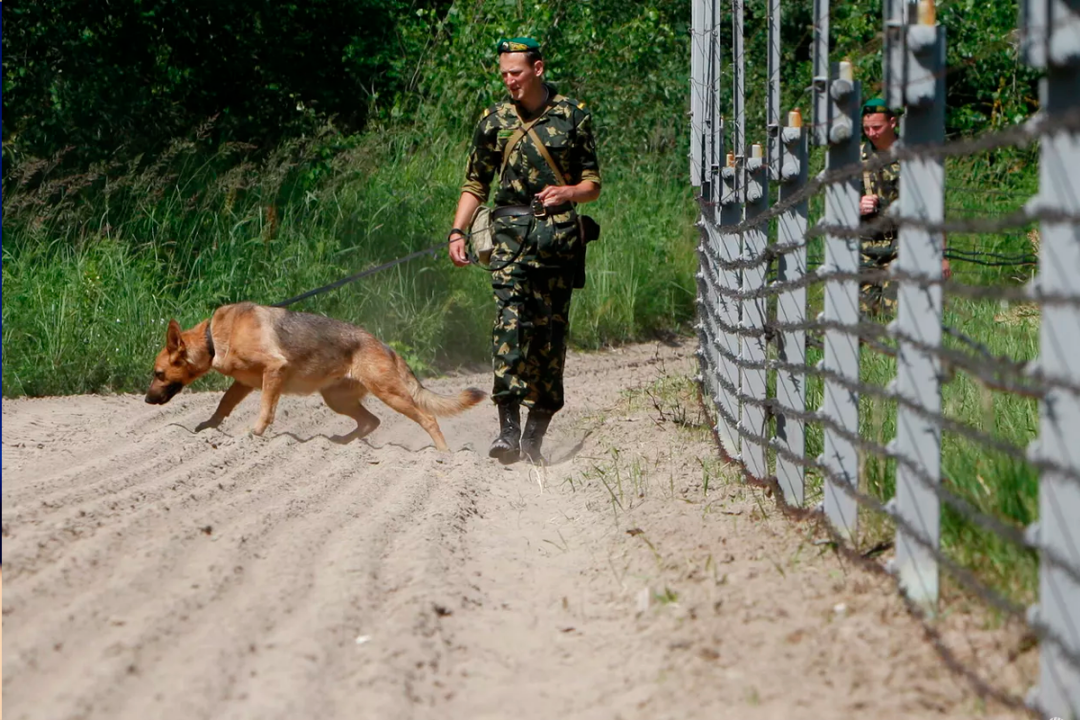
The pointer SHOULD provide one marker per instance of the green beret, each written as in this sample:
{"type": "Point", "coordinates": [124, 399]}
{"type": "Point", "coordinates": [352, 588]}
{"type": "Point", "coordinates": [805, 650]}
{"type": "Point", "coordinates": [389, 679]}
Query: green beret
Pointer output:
{"type": "Point", "coordinates": [517, 44]}
{"type": "Point", "coordinates": [876, 105]}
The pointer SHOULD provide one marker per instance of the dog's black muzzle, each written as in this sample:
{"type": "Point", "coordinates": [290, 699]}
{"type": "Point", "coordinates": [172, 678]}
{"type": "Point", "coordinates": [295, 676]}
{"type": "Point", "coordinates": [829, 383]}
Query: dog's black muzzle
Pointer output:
{"type": "Point", "coordinates": [165, 394]}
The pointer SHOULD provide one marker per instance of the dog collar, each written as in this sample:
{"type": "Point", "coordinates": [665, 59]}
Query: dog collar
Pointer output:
{"type": "Point", "coordinates": [209, 339]}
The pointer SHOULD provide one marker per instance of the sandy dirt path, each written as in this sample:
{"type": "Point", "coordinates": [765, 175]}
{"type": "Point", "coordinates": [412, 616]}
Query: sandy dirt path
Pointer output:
{"type": "Point", "coordinates": [151, 572]}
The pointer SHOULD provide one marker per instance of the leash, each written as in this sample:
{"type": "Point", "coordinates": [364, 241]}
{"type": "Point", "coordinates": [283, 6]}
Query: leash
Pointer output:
{"type": "Point", "coordinates": [362, 274]}
{"type": "Point", "coordinates": [387, 265]}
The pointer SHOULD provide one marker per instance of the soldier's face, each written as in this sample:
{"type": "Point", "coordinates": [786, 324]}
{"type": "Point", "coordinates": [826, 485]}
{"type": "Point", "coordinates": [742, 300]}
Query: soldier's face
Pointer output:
{"type": "Point", "coordinates": [880, 130]}
{"type": "Point", "coordinates": [520, 76]}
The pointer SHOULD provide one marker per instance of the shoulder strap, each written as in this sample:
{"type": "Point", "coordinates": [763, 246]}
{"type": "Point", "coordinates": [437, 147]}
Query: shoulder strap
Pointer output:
{"type": "Point", "coordinates": [868, 177]}
{"type": "Point", "coordinates": [514, 138]}
{"type": "Point", "coordinates": [526, 128]}
{"type": "Point", "coordinates": [547, 156]}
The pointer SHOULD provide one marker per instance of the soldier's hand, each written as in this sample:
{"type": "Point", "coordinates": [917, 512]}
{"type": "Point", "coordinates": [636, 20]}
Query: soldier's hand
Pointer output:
{"type": "Point", "coordinates": [868, 204]}
{"type": "Point", "coordinates": [457, 252]}
{"type": "Point", "coordinates": [554, 195]}
{"type": "Point", "coordinates": [946, 269]}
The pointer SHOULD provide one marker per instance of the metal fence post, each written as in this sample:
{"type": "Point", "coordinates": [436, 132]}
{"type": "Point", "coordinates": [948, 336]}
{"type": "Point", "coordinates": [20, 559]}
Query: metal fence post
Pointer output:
{"type": "Point", "coordinates": [711, 100]}
{"type": "Point", "coordinates": [893, 57]}
{"type": "Point", "coordinates": [733, 211]}
{"type": "Point", "coordinates": [697, 91]}
{"type": "Point", "coordinates": [730, 250]}
{"type": "Point", "coordinates": [822, 105]}
{"type": "Point", "coordinates": [738, 96]}
{"type": "Point", "coordinates": [697, 160]}
{"type": "Point", "coordinates": [717, 114]}
{"type": "Point", "coordinates": [709, 302]}
{"type": "Point", "coordinates": [791, 308]}
{"type": "Point", "coordinates": [919, 315]}
{"type": "Point", "coordinates": [772, 111]}
{"type": "Point", "coordinates": [841, 405]}
{"type": "Point", "coordinates": [723, 344]}
{"type": "Point", "coordinates": [836, 101]}
{"type": "Point", "coordinates": [753, 345]}
{"type": "Point", "coordinates": [1051, 35]}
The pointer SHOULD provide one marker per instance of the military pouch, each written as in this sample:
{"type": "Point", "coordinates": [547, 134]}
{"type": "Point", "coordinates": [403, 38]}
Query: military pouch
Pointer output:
{"type": "Point", "coordinates": [590, 229]}
{"type": "Point", "coordinates": [481, 236]}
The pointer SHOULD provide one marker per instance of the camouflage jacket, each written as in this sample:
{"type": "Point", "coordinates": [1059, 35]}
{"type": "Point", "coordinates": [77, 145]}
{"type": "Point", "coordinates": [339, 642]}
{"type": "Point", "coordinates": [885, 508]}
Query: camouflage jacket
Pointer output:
{"type": "Point", "coordinates": [884, 182]}
{"type": "Point", "coordinates": [566, 131]}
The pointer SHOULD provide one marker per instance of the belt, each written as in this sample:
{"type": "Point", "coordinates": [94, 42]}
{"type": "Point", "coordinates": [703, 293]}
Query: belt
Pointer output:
{"type": "Point", "coordinates": [519, 210]}
{"type": "Point", "coordinates": [511, 211]}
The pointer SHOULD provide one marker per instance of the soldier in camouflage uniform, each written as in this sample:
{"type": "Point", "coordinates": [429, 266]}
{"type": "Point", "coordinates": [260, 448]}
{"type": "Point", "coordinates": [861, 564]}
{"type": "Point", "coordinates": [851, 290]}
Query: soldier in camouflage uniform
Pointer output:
{"type": "Point", "coordinates": [881, 188]}
{"type": "Point", "coordinates": [538, 248]}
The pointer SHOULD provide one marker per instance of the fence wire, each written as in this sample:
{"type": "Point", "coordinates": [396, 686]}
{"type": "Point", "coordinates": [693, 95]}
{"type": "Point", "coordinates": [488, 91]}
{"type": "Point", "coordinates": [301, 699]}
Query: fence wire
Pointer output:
{"type": "Point", "coordinates": [801, 296]}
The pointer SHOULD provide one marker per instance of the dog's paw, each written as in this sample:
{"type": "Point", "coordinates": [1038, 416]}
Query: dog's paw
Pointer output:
{"type": "Point", "coordinates": [248, 436]}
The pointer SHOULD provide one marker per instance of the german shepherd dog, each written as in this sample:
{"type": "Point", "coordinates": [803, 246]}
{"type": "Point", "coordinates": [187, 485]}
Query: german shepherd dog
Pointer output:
{"type": "Point", "coordinates": [297, 353]}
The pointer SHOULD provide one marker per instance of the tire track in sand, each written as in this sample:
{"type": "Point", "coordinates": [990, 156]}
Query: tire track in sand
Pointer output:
{"type": "Point", "coordinates": [143, 478]}
{"type": "Point", "coordinates": [269, 498]}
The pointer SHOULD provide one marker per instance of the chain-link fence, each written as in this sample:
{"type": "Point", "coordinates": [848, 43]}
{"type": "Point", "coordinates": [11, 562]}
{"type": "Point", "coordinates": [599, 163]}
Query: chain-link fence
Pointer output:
{"type": "Point", "coordinates": [807, 382]}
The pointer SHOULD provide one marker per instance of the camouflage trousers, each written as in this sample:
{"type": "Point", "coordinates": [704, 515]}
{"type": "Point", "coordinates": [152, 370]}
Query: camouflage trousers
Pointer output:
{"type": "Point", "coordinates": [532, 286]}
{"type": "Point", "coordinates": [529, 338]}
{"type": "Point", "coordinates": [877, 297]}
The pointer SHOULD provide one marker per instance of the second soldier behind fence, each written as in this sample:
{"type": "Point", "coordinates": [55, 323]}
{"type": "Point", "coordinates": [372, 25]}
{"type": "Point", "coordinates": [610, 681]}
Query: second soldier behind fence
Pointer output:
{"type": "Point", "coordinates": [881, 188]}
{"type": "Point", "coordinates": [538, 150]}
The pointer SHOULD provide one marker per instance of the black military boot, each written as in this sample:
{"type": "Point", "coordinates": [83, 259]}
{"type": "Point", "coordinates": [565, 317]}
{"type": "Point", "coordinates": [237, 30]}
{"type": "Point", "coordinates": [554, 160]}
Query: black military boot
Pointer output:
{"type": "Point", "coordinates": [533, 437]}
{"type": "Point", "coordinates": [506, 448]}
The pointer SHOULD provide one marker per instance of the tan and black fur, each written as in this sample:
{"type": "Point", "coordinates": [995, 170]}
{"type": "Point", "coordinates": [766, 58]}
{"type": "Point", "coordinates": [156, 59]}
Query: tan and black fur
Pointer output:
{"type": "Point", "coordinates": [298, 353]}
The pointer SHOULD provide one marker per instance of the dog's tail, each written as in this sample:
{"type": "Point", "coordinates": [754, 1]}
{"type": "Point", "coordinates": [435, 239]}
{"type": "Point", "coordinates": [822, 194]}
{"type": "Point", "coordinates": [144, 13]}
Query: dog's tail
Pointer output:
{"type": "Point", "coordinates": [434, 403]}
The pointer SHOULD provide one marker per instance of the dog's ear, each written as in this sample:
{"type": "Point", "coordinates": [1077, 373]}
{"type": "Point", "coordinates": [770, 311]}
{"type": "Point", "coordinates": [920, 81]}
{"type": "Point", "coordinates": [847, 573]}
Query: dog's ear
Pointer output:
{"type": "Point", "coordinates": [174, 340]}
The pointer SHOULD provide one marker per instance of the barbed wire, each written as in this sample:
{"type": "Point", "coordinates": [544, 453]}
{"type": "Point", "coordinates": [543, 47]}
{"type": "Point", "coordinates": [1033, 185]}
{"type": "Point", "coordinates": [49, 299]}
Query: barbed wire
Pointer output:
{"type": "Point", "coordinates": [1020, 134]}
{"type": "Point", "coordinates": [808, 463]}
{"type": "Point", "coordinates": [974, 257]}
{"type": "Point", "coordinates": [990, 370]}
{"type": "Point", "coordinates": [1028, 293]}
{"type": "Point", "coordinates": [962, 574]}
{"type": "Point", "coordinates": [876, 331]}
{"type": "Point", "coordinates": [961, 505]}
{"type": "Point", "coordinates": [969, 225]}
{"type": "Point", "coordinates": [1017, 365]}
{"type": "Point", "coordinates": [726, 283]}
{"type": "Point", "coordinates": [993, 371]}
{"type": "Point", "coordinates": [816, 516]}
{"type": "Point", "coordinates": [857, 386]}
{"type": "Point", "coordinates": [1023, 377]}
{"type": "Point", "coordinates": [892, 223]}
{"type": "Point", "coordinates": [874, 45]}
{"type": "Point", "coordinates": [775, 251]}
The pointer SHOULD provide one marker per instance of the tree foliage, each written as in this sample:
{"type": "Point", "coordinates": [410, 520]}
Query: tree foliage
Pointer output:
{"type": "Point", "coordinates": [126, 77]}
{"type": "Point", "coordinates": [987, 85]}
{"type": "Point", "coordinates": [116, 80]}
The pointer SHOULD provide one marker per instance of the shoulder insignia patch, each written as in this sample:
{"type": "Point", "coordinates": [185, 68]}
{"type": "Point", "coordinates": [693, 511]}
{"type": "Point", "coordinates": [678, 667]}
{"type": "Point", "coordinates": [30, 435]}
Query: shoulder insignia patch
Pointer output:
{"type": "Point", "coordinates": [581, 106]}
{"type": "Point", "coordinates": [487, 111]}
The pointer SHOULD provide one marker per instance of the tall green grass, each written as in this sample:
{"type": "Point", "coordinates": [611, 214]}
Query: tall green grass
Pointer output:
{"type": "Point", "coordinates": [91, 279]}
{"type": "Point", "coordinates": [95, 263]}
